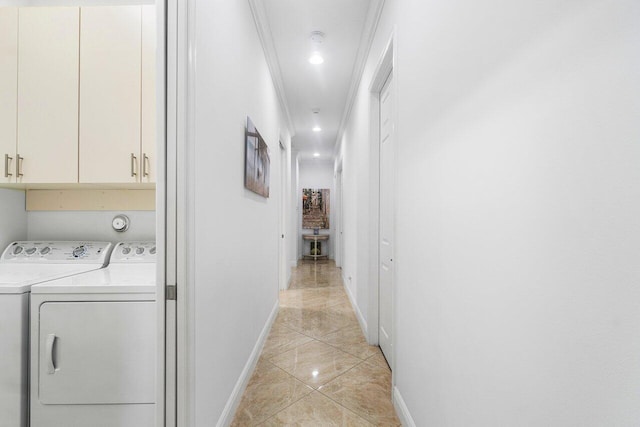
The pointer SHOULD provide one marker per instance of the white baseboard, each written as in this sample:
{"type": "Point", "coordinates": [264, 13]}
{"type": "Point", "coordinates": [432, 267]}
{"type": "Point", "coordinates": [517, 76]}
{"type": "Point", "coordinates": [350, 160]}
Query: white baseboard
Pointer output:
{"type": "Point", "coordinates": [236, 395]}
{"type": "Point", "coordinates": [401, 409]}
{"type": "Point", "coordinates": [352, 300]}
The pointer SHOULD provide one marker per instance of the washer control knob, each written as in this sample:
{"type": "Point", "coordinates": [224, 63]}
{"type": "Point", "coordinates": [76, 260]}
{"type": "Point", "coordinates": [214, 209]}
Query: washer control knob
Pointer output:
{"type": "Point", "coordinates": [30, 251]}
{"type": "Point", "coordinates": [152, 251]}
{"type": "Point", "coordinates": [17, 250]}
{"type": "Point", "coordinates": [139, 251]}
{"type": "Point", "coordinates": [79, 251]}
{"type": "Point", "coordinates": [126, 251]}
{"type": "Point", "coordinates": [45, 250]}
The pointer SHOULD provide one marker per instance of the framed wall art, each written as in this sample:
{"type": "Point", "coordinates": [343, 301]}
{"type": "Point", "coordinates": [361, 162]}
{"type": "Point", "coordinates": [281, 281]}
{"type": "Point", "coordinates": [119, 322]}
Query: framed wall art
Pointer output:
{"type": "Point", "coordinates": [257, 161]}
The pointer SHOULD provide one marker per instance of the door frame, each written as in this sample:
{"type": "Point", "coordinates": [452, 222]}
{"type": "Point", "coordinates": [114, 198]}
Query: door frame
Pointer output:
{"type": "Point", "coordinates": [180, 209]}
{"type": "Point", "coordinates": [386, 65]}
{"type": "Point", "coordinates": [165, 195]}
{"type": "Point", "coordinates": [283, 220]}
{"type": "Point", "coordinates": [339, 249]}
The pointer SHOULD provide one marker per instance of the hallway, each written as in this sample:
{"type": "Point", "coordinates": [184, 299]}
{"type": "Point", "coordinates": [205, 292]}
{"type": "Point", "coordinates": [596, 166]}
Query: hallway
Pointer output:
{"type": "Point", "coordinates": [316, 367]}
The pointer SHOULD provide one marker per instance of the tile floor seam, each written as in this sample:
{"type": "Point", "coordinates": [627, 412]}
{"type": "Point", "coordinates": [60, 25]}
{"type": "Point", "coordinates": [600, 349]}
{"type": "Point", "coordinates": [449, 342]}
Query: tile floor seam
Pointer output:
{"type": "Point", "coordinates": [314, 338]}
{"type": "Point", "coordinates": [296, 379]}
{"type": "Point", "coordinates": [344, 373]}
{"type": "Point", "coordinates": [284, 345]}
{"type": "Point", "coordinates": [277, 412]}
{"type": "Point", "coordinates": [321, 385]}
{"type": "Point", "coordinates": [338, 348]}
{"type": "Point", "coordinates": [345, 407]}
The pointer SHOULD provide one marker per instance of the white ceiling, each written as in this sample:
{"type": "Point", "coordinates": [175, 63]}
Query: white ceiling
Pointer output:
{"type": "Point", "coordinates": [325, 86]}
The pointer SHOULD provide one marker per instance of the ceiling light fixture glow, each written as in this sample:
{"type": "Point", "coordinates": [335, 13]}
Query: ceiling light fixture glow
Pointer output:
{"type": "Point", "coordinates": [316, 154]}
{"type": "Point", "coordinates": [317, 37]}
{"type": "Point", "coordinates": [316, 129]}
{"type": "Point", "coordinates": [316, 58]}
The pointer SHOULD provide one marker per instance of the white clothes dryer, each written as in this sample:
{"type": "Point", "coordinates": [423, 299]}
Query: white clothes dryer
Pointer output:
{"type": "Point", "coordinates": [94, 344]}
{"type": "Point", "coordinates": [22, 265]}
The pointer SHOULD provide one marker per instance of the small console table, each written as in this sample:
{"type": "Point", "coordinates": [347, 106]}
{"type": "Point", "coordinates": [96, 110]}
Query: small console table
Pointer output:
{"type": "Point", "coordinates": [315, 240]}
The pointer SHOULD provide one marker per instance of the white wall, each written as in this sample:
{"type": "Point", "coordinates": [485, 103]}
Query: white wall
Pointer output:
{"type": "Point", "coordinates": [518, 198]}
{"type": "Point", "coordinates": [13, 217]}
{"type": "Point", "coordinates": [234, 237]}
{"type": "Point", "coordinates": [85, 225]}
{"type": "Point", "coordinates": [317, 174]}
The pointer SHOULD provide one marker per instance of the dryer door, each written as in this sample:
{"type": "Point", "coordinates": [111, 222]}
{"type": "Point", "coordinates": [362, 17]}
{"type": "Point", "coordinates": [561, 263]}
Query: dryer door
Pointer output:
{"type": "Point", "coordinates": [97, 352]}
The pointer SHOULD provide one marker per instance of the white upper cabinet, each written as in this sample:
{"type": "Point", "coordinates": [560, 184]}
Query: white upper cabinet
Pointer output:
{"type": "Point", "coordinates": [110, 94]}
{"type": "Point", "coordinates": [78, 95]}
{"type": "Point", "coordinates": [8, 91]}
{"type": "Point", "coordinates": [148, 157]}
{"type": "Point", "coordinates": [47, 143]}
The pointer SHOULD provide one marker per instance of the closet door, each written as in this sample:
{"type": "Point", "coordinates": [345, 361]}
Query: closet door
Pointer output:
{"type": "Point", "coordinates": [47, 95]}
{"type": "Point", "coordinates": [148, 151]}
{"type": "Point", "coordinates": [8, 91]}
{"type": "Point", "coordinates": [110, 92]}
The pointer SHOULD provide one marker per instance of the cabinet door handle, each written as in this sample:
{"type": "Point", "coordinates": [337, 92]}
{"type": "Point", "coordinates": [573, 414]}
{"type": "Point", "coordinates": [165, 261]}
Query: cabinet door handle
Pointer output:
{"type": "Point", "coordinates": [145, 161]}
{"type": "Point", "coordinates": [133, 164]}
{"type": "Point", "coordinates": [19, 160]}
{"type": "Point", "coordinates": [51, 365]}
{"type": "Point", "coordinates": [7, 159]}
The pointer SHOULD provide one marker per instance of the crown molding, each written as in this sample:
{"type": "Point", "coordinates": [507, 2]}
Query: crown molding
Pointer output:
{"type": "Point", "coordinates": [266, 38]}
{"type": "Point", "coordinates": [366, 40]}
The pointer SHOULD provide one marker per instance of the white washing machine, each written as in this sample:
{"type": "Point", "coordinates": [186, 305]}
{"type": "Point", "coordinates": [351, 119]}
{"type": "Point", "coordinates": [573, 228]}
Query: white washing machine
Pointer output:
{"type": "Point", "coordinates": [22, 265]}
{"type": "Point", "coordinates": [94, 344]}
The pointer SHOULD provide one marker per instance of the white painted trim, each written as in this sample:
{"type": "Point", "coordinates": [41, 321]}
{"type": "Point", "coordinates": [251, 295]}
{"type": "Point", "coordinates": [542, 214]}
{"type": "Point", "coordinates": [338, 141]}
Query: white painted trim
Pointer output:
{"type": "Point", "coordinates": [283, 218]}
{"type": "Point", "coordinates": [356, 309]}
{"type": "Point", "coordinates": [401, 409]}
{"type": "Point", "coordinates": [366, 40]}
{"type": "Point", "coordinates": [266, 39]}
{"type": "Point", "coordinates": [165, 269]}
{"type": "Point", "coordinates": [384, 67]}
{"type": "Point", "coordinates": [236, 395]}
{"type": "Point", "coordinates": [182, 47]}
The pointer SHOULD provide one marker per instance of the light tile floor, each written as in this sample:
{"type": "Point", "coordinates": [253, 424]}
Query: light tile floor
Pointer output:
{"type": "Point", "coordinates": [316, 369]}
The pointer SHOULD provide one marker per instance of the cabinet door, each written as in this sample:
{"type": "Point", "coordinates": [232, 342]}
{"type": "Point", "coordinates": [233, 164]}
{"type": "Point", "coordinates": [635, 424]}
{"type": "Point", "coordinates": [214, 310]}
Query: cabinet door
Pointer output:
{"type": "Point", "coordinates": [8, 91]}
{"type": "Point", "coordinates": [110, 87]}
{"type": "Point", "coordinates": [97, 352]}
{"type": "Point", "coordinates": [48, 94]}
{"type": "Point", "coordinates": [148, 157]}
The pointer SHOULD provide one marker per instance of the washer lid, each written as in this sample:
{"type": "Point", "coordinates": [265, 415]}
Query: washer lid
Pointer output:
{"type": "Point", "coordinates": [18, 278]}
{"type": "Point", "coordinates": [134, 278]}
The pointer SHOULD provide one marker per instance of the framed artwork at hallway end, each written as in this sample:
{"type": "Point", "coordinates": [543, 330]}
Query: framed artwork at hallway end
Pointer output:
{"type": "Point", "coordinates": [257, 162]}
{"type": "Point", "coordinates": [315, 208]}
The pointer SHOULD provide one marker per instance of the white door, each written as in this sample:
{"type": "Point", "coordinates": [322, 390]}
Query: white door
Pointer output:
{"type": "Point", "coordinates": [339, 251]}
{"type": "Point", "coordinates": [386, 270]}
{"type": "Point", "coordinates": [283, 221]}
{"type": "Point", "coordinates": [48, 94]}
{"type": "Point", "coordinates": [110, 93]}
{"type": "Point", "coordinates": [8, 90]}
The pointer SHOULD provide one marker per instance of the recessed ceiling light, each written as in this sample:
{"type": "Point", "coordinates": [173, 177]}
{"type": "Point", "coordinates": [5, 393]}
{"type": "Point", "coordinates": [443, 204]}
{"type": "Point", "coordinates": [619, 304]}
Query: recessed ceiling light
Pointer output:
{"type": "Point", "coordinates": [316, 129]}
{"type": "Point", "coordinates": [316, 58]}
{"type": "Point", "coordinates": [316, 154]}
